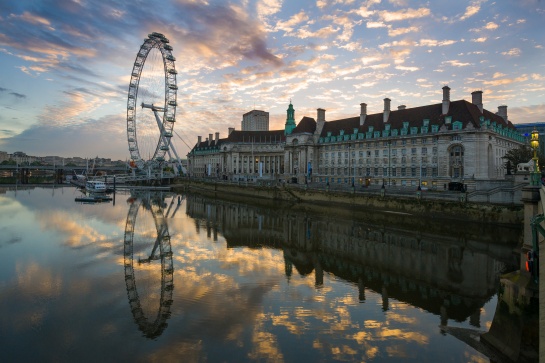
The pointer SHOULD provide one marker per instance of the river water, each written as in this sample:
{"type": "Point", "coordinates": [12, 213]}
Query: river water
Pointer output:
{"type": "Point", "coordinates": [186, 278]}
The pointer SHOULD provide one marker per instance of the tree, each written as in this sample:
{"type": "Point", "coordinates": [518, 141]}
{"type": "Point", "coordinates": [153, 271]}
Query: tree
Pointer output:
{"type": "Point", "coordinates": [522, 154]}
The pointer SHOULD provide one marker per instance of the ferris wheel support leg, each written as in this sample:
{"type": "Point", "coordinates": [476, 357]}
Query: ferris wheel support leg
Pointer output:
{"type": "Point", "coordinates": [171, 145]}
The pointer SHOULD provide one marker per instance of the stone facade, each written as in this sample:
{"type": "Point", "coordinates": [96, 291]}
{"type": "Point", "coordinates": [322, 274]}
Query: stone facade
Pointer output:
{"type": "Point", "coordinates": [430, 146]}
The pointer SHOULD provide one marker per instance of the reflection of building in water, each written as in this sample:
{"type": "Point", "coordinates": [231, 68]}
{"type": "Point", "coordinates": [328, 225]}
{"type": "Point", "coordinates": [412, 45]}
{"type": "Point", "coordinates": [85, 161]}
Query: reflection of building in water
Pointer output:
{"type": "Point", "coordinates": [448, 269]}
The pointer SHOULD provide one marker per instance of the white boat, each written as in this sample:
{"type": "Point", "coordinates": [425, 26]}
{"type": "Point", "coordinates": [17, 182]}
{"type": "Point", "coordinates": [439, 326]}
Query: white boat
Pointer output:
{"type": "Point", "coordinates": [95, 186]}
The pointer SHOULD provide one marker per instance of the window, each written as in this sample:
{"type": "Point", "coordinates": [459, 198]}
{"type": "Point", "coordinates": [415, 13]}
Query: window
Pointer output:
{"type": "Point", "coordinates": [413, 172]}
{"type": "Point", "coordinates": [394, 152]}
{"type": "Point", "coordinates": [403, 171]}
{"type": "Point", "coordinates": [403, 151]}
{"type": "Point", "coordinates": [413, 151]}
{"type": "Point", "coordinates": [376, 153]}
{"type": "Point", "coordinates": [424, 151]}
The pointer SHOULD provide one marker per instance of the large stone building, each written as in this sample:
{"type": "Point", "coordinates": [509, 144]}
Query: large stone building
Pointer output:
{"type": "Point", "coordinates": [431, 146]}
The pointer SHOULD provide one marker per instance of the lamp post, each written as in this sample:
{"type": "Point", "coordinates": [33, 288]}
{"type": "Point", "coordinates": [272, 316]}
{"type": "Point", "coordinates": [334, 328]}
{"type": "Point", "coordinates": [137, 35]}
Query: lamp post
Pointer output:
{"type": "Point", "coordinates": [536, 174]}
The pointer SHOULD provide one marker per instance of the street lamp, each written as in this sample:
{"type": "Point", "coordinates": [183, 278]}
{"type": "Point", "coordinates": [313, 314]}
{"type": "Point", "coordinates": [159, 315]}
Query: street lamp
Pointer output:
{"type": "Point", "coordinates": [534, 143]}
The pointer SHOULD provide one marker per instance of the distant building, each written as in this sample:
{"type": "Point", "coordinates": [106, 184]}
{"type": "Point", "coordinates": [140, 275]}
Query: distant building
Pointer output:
{"type": "Point", "coordinates": [430, 145]}
{"type": "Point", "coordinates": [4, 156]}
{"type": "Point", "coordinates": [53, 160]}
{"type": "Point", "coordinates": [255, 120]}
{"type": "Point", "coordinates": [21, 158]}
{"type": "Point", "coordinates": [526, 131]}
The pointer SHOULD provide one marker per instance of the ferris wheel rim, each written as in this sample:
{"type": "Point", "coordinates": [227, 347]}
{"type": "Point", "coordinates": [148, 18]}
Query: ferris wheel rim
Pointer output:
{"type": "Point", "coordinates": [160, 42]}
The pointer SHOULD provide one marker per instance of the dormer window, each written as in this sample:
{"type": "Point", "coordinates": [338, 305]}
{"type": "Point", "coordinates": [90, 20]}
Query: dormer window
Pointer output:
{"type": "Point", "coordinates": [457, 125]}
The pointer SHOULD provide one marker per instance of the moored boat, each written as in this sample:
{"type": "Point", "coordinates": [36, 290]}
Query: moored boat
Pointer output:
{"type": "Point", "coordinates": [95, 186]}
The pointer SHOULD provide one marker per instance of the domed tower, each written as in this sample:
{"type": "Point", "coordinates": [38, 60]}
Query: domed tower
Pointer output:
{"type": "Point", "coordinates": [290, 120]}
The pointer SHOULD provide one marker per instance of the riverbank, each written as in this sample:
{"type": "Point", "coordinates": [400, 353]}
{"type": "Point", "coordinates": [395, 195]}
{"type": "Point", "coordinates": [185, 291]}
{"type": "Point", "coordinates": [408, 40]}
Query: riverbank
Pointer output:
{"type": "Point", "coordinates": [426, 204]}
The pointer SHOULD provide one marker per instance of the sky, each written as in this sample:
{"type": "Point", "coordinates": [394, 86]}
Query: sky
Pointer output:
{"type": "Point", "coordinates": [66, 64]}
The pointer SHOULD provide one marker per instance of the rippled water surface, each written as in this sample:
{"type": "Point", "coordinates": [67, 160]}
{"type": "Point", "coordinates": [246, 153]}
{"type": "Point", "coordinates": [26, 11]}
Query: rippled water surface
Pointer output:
{"type": "Point", "coordinates": [189, 279]}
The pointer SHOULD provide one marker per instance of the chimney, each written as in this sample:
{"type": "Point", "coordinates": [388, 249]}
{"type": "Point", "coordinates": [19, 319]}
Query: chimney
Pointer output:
{"type": "Point", "coordinates": [401, 107]}
{"type": "Point", "coordinates": [209, 139]}
{"type": "Point", "coordinates": [321, 115]}
{"type": "Point", "coordinates": [217, 137]}
{"type": "Point", "coordinates": [502, 111]}
{"type": "Point", "coordinates": [199, 139]}
{"type": "Point", "coordinates": [386, 113]}
{"type": "Point", "coordinates": [446, 100]}
{"type": "Point", "coordinates": [363, 113]}
{"type": "Point", "coordinates": [231, 129]}
{"type": "Point", "coordinates": [477, 99]}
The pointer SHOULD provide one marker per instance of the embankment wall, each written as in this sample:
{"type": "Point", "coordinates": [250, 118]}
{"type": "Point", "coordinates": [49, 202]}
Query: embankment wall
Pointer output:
{"type": "Point", "coordinates": [427, 208]}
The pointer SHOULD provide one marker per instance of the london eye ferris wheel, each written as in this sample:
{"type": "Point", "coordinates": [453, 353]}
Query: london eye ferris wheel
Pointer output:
{"type": "Point", "coordinates": [153, 87]}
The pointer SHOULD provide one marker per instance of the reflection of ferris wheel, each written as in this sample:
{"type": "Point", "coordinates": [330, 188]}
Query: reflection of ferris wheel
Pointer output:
{"type": "Point", "coordinates": [141, 231]}
{"type": "Point", "coordinates": [153, 86]}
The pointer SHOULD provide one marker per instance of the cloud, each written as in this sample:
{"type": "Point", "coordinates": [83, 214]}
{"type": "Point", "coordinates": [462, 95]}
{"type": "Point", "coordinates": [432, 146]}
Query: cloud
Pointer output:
{"type": "Point", "coordinates": [401, 31]}
{"type": "Point", "coordinates": [513, 52]}
{"type": "Point", "coordinates": [9, 92]}
{"type": "Point", "coordinates": [505, 81]}
{"type": "Point", "coordinates": [479, 40]}
{"type": "Point", "coordinates": [17, 95]}
{"type": "Point", "coordinates": [322, 33]}
{"type": "Point", "coordinates": [435, 43]}
{"type": "Point", "coordinates": [33, 19]}
{"type": "Point", "coordinates": [410, 69]}
{"type": "Point", "coordinates": [289, 24]}
{"type": "Point", "coordinates": [73, 139]}
{"type": "Point", "coordinates": [268, 7]}
{"type": "Point", "coordinates": [491, 26]}
{"type": "Point", "coordinates": [389, 16]}
{"type": "Point", "coordinates": [456, 63]}
{"type": "Point", "coordinates": [472, 10]}
{"type": "Point", "coordinates": [527, 114]}
{"type": "Point", "coordinates": [375, 24]}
